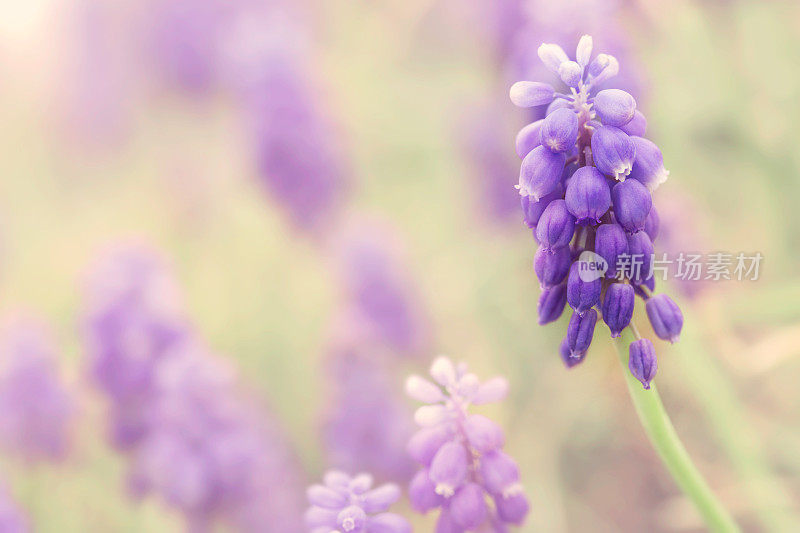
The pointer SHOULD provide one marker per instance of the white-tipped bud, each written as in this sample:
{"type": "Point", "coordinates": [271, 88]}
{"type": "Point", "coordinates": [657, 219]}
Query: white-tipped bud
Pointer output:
{"type": "Point", "coordinates": [423, 390]}
{"type": "Point", "coordinates": [430, 415]}
{"type": "Point", "coordinates": [570, 73]}
{"type": "Point", "coordinates": [552, 56]}
{"type": "Point", "coordinates": [583, 53]}
{"type": "Point", "coordinates": [610, 70]}
{"type": "Point", "coordinates": [531, 93]}
{"type": "Point", "coordinates": [443, 371]}
{"type": "Point", "coordinates": [491, 391]}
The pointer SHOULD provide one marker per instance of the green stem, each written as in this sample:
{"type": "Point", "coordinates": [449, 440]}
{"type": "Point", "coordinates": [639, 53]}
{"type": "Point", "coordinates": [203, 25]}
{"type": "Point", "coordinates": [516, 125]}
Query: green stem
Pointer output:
{"type": "Point", "coordinates": [665, 440]}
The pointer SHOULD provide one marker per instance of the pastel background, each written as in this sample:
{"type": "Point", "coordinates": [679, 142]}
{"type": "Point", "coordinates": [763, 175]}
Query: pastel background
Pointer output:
{"type": "Point", "coordinates": [325, 191]}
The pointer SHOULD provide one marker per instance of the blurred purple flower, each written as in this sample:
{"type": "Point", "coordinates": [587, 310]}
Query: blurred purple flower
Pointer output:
{"type": "Point", "coordinates": [133, 318]}
{"type": "Point", "coordinates": [350, 504]}
{"type": "Point", "coordinates": [210, 453]}
{"type": "Point", "coordinates": [12, 519]}
{"type": "Point", "coordinates": [35, 407]}
{"type": "Point", "coordinates": [267, 64]}
{"type": "Point", "coordinates": [367, 419]}
{"type": "Point", "coordinates": [491, 164]}
{"type": "Point", "coordinates": [461, 454]}
{"type": "Point", "coordinates": [194, 439]}
{"type": "Point", "coordinates": [297, 145]}
{"type": "Point", "coordinates": [380, 296]}
{"type": "Point", "coordinates": [381, 319]}
{"type": "Point", "coordinates": [184, 40]}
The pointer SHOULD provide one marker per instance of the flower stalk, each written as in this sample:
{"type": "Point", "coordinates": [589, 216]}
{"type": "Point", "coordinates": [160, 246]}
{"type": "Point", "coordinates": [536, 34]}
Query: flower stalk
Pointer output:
{"type": "Point", "coordinates": [665, 440]}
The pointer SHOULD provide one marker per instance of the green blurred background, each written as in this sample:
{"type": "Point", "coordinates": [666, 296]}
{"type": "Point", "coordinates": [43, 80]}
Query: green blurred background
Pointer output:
{"type": "Point", "coordinates": [721, 103]}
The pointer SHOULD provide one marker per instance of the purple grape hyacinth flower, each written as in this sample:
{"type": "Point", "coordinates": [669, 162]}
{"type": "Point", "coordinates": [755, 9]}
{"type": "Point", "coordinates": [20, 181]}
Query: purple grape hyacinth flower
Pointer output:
{"type": "Point", "coordinates": [665, 317]}
{"type": "Point", "coordinates": [555, 226]}
{"type": "Point", "coordinates": [551, 303]}
{"type": "Point", "coordinates": [540, 172]}
{"type": "Point", "coordinates": [642, 361]}
{"type": "Point", "coordinates": [598, 223]}
{"type": "Point", "coordinates": [461, 454]}
{"type": "Point", "coordinates": [36, 409]}
{"type": "Point", "coordinates": [344, 504]}
{"type": "Point", "coordinates": [613, 151]}
{"type": "Point", "coordinates": [552, 266]}
{"type": "Point", "coordinates": [588, 196]}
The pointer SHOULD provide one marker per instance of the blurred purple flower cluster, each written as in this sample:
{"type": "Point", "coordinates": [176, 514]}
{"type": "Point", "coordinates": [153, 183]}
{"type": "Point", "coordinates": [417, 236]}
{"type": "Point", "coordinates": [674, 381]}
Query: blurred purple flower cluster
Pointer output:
{"type": "Point", "coordinates": [297, 145]}
{"type": "Point", "coordinates": [380, 296]}
{"type": "Point", "coordinates": [193, 437]}
{"type": "Point", "coordinates": [461, 454]}
{"type": "Point", "coordinates": [366, 419]}
{"type": "Point", "coordinates": [350, 504]}
{"type": "Point", "coordinates": [133, 320]}
{"type": "Point", "coordinates": [36, 409]}
{"type": "Point", "coordinates": [585, 184]}
{"type": "Point", "coordinates": [380, 322]}
{"type": "Point", "coordinates": [255, 54]}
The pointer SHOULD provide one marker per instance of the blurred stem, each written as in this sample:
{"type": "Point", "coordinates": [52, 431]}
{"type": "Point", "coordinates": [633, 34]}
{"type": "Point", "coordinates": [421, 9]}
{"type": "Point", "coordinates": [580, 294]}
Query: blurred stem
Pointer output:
{"type": "Point", "coordinates": [665, 440]}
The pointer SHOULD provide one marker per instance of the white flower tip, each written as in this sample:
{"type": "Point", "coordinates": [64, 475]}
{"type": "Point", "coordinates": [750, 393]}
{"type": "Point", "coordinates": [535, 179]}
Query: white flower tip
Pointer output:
{"type": "Point", "coordinates": [517, 92]}
{"type": "Point", "coordinates": [468, 385]}
{"type": "Point", "coordinates": [552, 56]}
{"type": "Point", "coordinates": [444, 490]}
{"type": "Point", "coordinates": [570, 73]}
{"type": "Point", "coordinates": [423, 390]}
{"type": "Point", "coordinates": [412, 382]}
{"type": "Point", "coordinates": [513, 490]}
{"type": "Point", "coordinates": [429, 415]}
{"type": "Point", "coordinates": [661, 177]}
{"type": "Point", "coordinates": [443, 371]}
{"type": "Point", "coordinates": [491, 391]}
{"type": "Point", "coordinates": [583, 53]}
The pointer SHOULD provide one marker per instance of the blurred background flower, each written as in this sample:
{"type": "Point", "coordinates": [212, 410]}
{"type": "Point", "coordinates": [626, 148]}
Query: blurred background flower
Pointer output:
{"type": "Point", "coordinates": [239, 226]}
{"type": "Point", "coordinates": [36, 408]}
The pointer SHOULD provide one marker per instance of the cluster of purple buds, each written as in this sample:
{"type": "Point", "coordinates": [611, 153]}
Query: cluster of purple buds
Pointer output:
{"type": "Point", "coordinates": [585, 184]}
{"type": "Point", "coordinates": [350, 505]}
{"type": "Point", "coordinates": [461, 454]}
